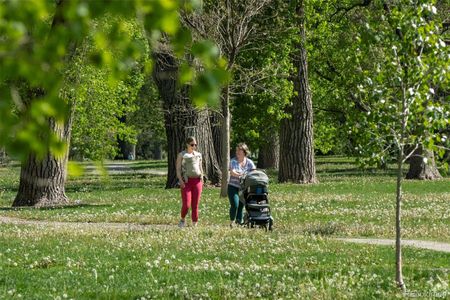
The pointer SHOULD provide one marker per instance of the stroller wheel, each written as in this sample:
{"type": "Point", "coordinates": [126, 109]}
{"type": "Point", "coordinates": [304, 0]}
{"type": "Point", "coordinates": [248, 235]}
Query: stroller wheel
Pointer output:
{"type": "Point", "coordinates": [270, 225]}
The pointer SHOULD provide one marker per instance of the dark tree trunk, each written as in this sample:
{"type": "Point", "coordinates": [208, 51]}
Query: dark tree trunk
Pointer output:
{"type": "Point", "coordinates": [422, 165]}
{"type": "Point", "coordinates": [126, 150]}
{"type": "Point", "coordinates": [182, 120]}
{"type": "Point", "coordinates": [3, 156]}
{"type": "Point", "coordinates": [202, 131]}
{"type": "Point", "coordinates": [157, 151]}
{"type": "Point", "coordinates": [42, 180]}
{"type": "Point", "coordinates": [296, 138]}
{"type": "Point", "coordinates": [216, 130]}
{"type": "Point", "coordinates": [269, 152]}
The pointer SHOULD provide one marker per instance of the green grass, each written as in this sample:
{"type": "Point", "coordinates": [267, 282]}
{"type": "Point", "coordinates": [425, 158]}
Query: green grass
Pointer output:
{"type": "Point", "coordinates": [353, 205]}
{"type": "Point", "coordinates": [299, 259]}
{"type": "Point", "coordinates": [206, 262]}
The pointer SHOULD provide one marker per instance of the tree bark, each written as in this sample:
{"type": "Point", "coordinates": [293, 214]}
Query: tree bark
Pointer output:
{"type": "Point", "coordinates": [127, 150]}
{"type": "Point", "coordinates": [398, 238]}
{"type": "Point", "coordinates": [296, 137]}
{"type": "Point", "coordinates": [182, 120]}
{"type": "Point", "coordinates": [216, 131]}
{"type": "Point", "coordinates": [202, 131]}
{"type": "Point", "coordinates": [269, 152]}
{"type": "Point", "coordinates": [3, 156]}
{"type": "Point", "coordinates": [420, 168]}
{"type": "Point", "coordinates": [225, 141]}
{"type": "Point", "coordinates": [42, 181]}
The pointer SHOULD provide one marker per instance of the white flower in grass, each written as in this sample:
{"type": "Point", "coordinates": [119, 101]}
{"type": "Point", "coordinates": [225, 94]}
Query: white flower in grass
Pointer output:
{"type": "Point", "coordinates": [433, 9]}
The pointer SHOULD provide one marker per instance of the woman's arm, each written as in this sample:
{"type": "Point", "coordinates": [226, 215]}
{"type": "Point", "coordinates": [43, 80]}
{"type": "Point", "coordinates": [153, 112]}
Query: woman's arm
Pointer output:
{"type": "Point", "coordinates": [178, 167]}
{"type": "Point", "coordinates": [235, 174]}
{"type": "Point", "coordinates": [232, 171]}
{"type": "Point", "coordinates": [201, 167]}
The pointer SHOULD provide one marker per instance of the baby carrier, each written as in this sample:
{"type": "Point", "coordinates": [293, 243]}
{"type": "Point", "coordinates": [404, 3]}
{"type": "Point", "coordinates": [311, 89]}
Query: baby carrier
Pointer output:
{"type": "Point", "coordinates": [253, 194]}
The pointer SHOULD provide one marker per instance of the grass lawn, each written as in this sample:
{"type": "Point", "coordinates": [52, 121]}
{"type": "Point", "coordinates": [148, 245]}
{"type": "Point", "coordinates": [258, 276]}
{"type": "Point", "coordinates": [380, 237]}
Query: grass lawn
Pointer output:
{"type": "Point", "coordinates": [299, 259]}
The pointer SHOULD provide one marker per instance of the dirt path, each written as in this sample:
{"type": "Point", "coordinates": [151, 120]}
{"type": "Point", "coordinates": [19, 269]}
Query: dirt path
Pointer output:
{"type": "Point", "coordinates": [430, 245]}
{"type": "Point", "coordinates": [117, 168]}
{"type": "Point", "coordinates": [86, 225]}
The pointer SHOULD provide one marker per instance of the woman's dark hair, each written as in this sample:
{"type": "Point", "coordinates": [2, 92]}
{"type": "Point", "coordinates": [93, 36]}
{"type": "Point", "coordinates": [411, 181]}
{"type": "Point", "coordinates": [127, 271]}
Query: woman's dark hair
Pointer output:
{"type": "Point", "coordinates": [244, 148]}
{"type": "Point", "coordinates": [190, 139]}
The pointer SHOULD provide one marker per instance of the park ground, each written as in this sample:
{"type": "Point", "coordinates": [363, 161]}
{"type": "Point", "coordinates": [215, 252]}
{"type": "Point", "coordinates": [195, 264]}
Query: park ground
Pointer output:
{"type": "Point", "coordinates": [119, 239]}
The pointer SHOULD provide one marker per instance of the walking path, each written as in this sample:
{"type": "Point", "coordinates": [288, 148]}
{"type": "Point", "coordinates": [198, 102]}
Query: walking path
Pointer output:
{"type": "Point", "coordinates": [117, 167]}
{"type": "Point", "coordinates": [430, 245]}
{"type": "Point", "coordinates": [85, 225]}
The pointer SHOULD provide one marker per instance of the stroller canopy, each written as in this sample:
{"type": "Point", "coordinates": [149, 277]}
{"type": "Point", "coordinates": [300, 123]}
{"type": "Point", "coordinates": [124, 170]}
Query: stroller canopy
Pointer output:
{"type": "Point", "coordinates": [255, 178]}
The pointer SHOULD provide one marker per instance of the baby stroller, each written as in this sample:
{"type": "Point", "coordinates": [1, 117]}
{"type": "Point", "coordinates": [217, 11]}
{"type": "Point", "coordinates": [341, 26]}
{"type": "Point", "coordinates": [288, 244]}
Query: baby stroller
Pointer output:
{"type": "Point", "coordinates": [253, 194]}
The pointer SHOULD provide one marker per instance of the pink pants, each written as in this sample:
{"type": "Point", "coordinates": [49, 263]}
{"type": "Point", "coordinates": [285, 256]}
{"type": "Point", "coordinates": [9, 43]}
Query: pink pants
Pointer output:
{"type": "Point", "coordinates": [191, 195]}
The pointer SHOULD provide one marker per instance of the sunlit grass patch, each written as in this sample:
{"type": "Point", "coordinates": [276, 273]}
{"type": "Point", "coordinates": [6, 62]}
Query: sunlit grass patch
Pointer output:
{"type": "Point", "coordinates": [357, 205]}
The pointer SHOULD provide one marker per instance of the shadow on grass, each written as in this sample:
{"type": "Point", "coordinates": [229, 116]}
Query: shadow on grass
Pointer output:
{"type": "Point", "coordinates": [334, 162]}
{"type": "Point", "coordinates": [357, 172]}
{"type": "Point", "coordinates": [111, 185]}
{"type": "Point", "coordinates": [61, 207]}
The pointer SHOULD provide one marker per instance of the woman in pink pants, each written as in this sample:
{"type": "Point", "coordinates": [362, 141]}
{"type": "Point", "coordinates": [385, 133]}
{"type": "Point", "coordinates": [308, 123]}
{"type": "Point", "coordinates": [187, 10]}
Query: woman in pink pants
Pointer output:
{"type": "Point", "coordinates": [190, 174]}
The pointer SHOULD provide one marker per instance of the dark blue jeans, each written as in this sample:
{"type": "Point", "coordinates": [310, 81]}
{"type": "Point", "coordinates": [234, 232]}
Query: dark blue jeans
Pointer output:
{"type": "Point", "coordinates": [236, 206]}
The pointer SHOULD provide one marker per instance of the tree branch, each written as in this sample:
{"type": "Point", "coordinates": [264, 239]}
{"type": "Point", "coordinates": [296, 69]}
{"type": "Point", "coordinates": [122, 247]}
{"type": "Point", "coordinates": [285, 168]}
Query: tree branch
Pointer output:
{"type": "Point", "coordinates": [363, 3]}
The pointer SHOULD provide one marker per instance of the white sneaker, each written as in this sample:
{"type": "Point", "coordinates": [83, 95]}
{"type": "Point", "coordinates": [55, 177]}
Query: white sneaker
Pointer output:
{"type": "Point", "coordinates": [194, 224]}
{"type": "Point", "coordinates": [182, 224]}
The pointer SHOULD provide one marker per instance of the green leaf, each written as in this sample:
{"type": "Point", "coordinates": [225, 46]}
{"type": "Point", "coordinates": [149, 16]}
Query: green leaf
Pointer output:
{"type": "Point", "coordinates": [75, 169]}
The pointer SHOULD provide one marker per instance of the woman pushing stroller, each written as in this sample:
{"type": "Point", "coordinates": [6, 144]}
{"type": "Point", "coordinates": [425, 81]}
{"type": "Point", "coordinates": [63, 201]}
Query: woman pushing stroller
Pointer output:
{"type": "Point", "coordinates": [239, 165]}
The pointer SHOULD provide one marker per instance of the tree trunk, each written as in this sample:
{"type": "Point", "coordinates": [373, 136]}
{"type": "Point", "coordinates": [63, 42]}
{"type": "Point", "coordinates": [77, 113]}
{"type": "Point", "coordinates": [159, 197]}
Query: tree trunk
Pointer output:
{"type": "Point", "coordinates": [296, 138]}
{"type": "Point", "coordinates": [42, 180]}
{"type": "Point", "coordinates": [269, 152]}
{"type": "Point", "coordinates": [157, 151]}
{"type": "Point", "coordinates": [3, 156]}
{"type": "Point", "coordinates": [202, 131]}
{"type": "Point", "coordinates": [225, 141]}
{"type": "Point", "coordinates": [127, 150]}
{"type": "Point", "coordinates": [182, 120]}
{"type": "Point", "coordinates": [422, 165]}
{"type": "Point", "coordinates": [398, 239]}
{"type": "Point", "coordinates": [216, 130]}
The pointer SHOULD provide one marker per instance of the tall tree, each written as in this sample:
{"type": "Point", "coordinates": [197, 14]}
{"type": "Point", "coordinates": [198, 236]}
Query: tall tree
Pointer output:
{"type": "Point", "coordinates": [296, 138]}
{"type": "Point", "coordinates": [42, 179]}
{"type": "Point", "coordinates": [261, 85]}
{"type": "Point", "coordinates": [37, 113]}
{"type": "Point", "coordinates": [229, 23]}
{"type": "Point", "coordinates": [148, 119]}
{"type": "Point", "coordinates": [182, 118]}
{"type": "Point", "coordinates": [102, 107]}
{"type": "Point", "coordinates": [402, 60]}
